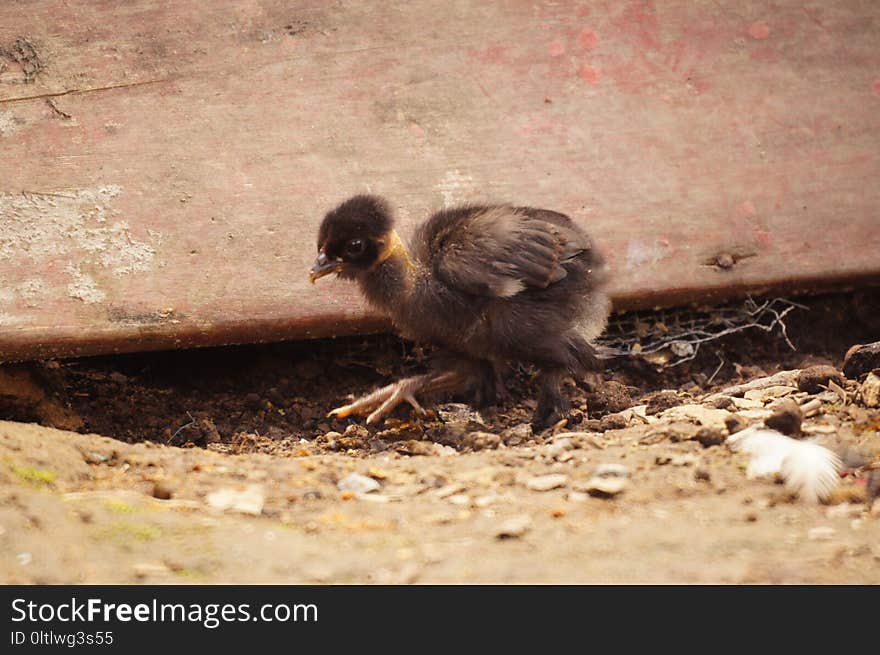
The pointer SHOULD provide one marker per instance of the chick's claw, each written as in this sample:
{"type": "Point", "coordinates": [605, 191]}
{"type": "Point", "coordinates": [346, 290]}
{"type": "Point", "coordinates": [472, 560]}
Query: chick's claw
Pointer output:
{"type": "Point", "coordinates": [389, 405]}
{"type": "Point", "coordinates": [364, 404]}
{"type": "Point", "coordinates": [383, 401]}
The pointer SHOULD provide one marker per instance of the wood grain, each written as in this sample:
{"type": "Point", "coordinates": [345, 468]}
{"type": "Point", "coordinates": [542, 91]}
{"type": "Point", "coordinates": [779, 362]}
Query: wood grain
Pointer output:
{"type": "Point", "coordinates": [165, 168]}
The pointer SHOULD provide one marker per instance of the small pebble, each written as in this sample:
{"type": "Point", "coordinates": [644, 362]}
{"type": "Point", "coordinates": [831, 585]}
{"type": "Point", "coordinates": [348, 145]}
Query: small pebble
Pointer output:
{"type": "Point", "coordinates": [481, 441]}
{"type": "Point", "coordinates": [355, 432]}
{"type": "Point", "coordinates": [460, 413]}
{"type": "Point", "coordinates": [611, 470]}
{"type": "Point", "coordinates": [247, 501]}
{"type": "Point", "coordinates": [735, 423]}
{"type": "Point", "coordinates": [559, 446]}
{"type": "Point", "coordinates": [547, 482]}
{"type": "Point", "coordinates": [766, 394]}
{"type": "Point", "coordinates": [609, 479]}
{"type": "Point", "coordinates": [612, 422]}
{"type": "Point", "coordinates": [861, 359]}
{"type": "Point", "coordinates": [723, 402]}
{"type": "Point", "coordinates": [415, 448]}
{"type": "Point", "coordinates": [358, 484]}
{"type": "Point", "coordinates": [517, 434]}
{"type": "Point", "coordinates": [869, 391]}
{"type": "Point", "coordinates": [821, 533]}
{"type": "Point", "coordinates": [786, 418]}
{"type": "Point", "coordinates": [661, 401]}
{"type": "Point", "coordinates": [95, 458]}
{"type": "Point", "coordinates": [815, 378]}
{"type": "Point", "coordinates": [162, 490]}
{"type": "Point", "coordinates": [747, 403]}
{"type": "Point", "coordinates": [610, 397]}
{"type": "Point", "coordinates": [515, 527]}
{"type": "Point", "coordinates": [482, 502]}
{"type": "Point", "coordinates": [605, 487]}
{"type": "Point", "coordinates": [710, 437]}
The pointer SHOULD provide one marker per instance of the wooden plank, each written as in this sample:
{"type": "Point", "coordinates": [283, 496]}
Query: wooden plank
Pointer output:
{"type": "Point", "coordinates": [165, 165]}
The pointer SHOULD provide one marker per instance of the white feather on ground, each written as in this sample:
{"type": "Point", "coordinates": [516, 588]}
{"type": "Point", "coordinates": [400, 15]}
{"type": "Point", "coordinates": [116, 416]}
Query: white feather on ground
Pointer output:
{"type": "Point", "coordinates": [808, 469]}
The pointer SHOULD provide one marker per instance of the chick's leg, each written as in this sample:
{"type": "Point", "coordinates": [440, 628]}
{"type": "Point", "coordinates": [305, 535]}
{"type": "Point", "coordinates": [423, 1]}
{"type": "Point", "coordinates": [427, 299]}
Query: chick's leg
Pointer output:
{"type": "Point", "coordinates": [552, 403]}
{"type": "Point", "coordinates": [383, 401]}
{"type": "Point", "coordinates": [486, 382]}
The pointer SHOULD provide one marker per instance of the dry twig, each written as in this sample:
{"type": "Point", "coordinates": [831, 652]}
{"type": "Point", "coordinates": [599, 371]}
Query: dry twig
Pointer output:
{"type": "Point", "coordinates": [682, 332]}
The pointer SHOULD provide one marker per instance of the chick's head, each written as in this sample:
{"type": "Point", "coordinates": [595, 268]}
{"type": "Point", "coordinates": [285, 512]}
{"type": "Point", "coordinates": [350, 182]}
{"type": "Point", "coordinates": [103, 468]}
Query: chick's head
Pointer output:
{"type": "Point", "coordinates": [353, 238]}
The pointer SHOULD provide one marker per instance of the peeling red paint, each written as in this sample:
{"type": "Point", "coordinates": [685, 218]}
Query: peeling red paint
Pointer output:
{"type": "Point", "coordinates": [759, 30]}
{"type": "Point", "coordinates": [534, 128]}
{"type": "Point", "coordinates": [556, 48]}
{"type": "Point", "coordinates": [587, 39]}
{"type": "Point", "coordinates": [765, 53]}
{"type": "Point", "coordinates": [628, 77]}
{"type": "Point", "coordinates": [674, 54]}
{"type": "Point", "coordinates": [639, 20]}
{"type": "Point", "coordinates": [651, 61]}
{"type": "Point", "coordinates": [494, 54]}
{"type": "Point", "coordinates": [877, 86]}
{"type": "Point", "coordinates": [590, 74]}
{"type": "Point", "coordinates": [698, 84]}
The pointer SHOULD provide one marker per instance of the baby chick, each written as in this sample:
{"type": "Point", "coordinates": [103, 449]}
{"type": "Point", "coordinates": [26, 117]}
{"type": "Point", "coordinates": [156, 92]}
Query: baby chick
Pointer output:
{"type": "Point", "coordinates": [490, 284]}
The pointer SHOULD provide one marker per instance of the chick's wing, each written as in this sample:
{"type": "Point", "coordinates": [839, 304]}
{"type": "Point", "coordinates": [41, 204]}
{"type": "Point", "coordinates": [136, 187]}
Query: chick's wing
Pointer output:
{"type": "Point", "coordinates": [500, 251]}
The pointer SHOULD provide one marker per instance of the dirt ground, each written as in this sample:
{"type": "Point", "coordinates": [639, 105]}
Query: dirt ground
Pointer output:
{"type": "Point", "coordinates": [218, 466]}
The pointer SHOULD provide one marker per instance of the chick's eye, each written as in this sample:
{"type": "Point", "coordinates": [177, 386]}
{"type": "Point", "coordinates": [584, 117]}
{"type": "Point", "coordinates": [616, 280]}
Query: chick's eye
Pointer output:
{"type": "Point", "coordinates": [354, 247]}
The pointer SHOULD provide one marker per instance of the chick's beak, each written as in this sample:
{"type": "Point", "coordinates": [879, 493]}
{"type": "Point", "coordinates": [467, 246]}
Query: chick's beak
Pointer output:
{"type": "Point", "coordinates": [323, 266]}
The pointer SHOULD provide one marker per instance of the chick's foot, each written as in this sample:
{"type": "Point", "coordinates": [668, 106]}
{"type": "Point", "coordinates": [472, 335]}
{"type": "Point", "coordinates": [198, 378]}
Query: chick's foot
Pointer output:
{"type": "Point", "coordinates": [383, 401]}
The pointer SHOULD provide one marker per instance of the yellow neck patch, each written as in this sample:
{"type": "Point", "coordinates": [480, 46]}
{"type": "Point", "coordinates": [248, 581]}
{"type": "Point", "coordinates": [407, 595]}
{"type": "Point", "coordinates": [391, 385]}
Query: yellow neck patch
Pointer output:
{"type": "Point", "coordinates": [394, 247]}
